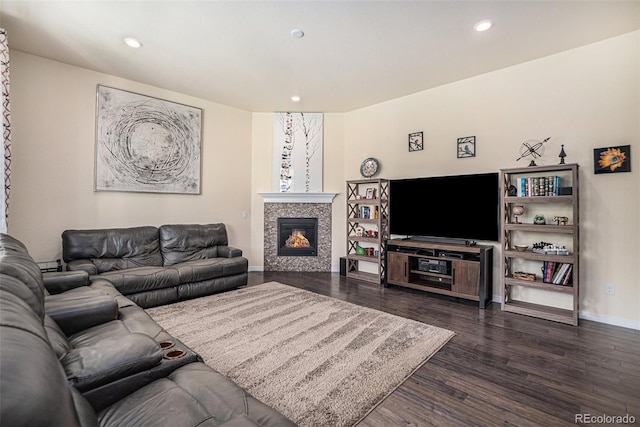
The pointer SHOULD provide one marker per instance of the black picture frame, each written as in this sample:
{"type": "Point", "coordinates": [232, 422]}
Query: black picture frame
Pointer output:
{"type": "Point", "coordinates": [466, 147]}
{"type": "Point", "coordinates": [416, 141]}
{"type": "Point", "coordinates": [612, 159]}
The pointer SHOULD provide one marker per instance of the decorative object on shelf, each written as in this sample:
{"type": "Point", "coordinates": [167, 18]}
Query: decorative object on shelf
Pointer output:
{"type": "Point", "coordinates": [360, 250]}
{"type": "Point", "coordinates": [533, 148]}
{"type": "Point", "coordinates": [512, 190]}
{"type": "Point", "coordinates": [562, 154]}
{"type": "Point", "coordinates": [371, 193]}
{"type": "Point", "coordinates": [517, 211]}
{"type": "Point", "coordinates": [521, 248]}
{"type": "Point", "coordinates": [561, 220]}
{"type": "Point", "coordinates": [612, 159]}
{"type": "Point", "coordinates": [369, 167]}
{"type": "Point", "coordinates": [549, 249]}
{"type": "Point", "coordinates": [466, 147]}
{"type": "Point", "coordinates": [146, 144]}
{"type": "Point", "coordinates": [416, 141]}
{"type": "Point", "coordinates": [359, 231]}
{"type": "Point", "coordinates": [539, 219]}
{"type": "Point", "coordinates": [524, 276]}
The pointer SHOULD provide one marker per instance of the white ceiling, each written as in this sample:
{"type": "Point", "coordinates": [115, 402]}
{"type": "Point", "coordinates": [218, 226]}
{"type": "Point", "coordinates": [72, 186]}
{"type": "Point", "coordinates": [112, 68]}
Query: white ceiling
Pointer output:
{"type": "Point", "coordinates": [354, 53]}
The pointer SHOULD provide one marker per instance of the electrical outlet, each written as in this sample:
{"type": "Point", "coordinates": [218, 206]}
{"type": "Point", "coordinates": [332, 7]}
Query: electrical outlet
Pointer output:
{"type": "Point", "coordinates": [244, 214]}
{"type": "Point", "coordinates": [609, 289]}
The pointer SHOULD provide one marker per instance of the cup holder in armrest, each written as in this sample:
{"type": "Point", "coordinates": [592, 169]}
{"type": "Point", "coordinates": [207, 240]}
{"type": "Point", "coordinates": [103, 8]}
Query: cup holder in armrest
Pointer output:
{"type": "Point", "coordinates": [166, 345]}
{"type": "Point", "coordinates": [174, 354]}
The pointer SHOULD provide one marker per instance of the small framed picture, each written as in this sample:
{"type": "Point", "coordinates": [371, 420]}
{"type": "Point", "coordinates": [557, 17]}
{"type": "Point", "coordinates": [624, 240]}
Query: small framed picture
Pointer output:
{"type": "Point", "coordinates": [466, 147]}
{"type": "Point", "coordinates": [371, 193]}
{"type": "Point", "coordinates": [416, 142]}
{"type": "Point", "coordinates": [612, 159]}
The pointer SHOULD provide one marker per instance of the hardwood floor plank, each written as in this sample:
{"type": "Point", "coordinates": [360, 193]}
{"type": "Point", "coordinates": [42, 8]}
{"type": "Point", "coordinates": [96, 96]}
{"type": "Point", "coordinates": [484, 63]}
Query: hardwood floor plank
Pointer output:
{"type": "Point", "coordinates": [501, 368]}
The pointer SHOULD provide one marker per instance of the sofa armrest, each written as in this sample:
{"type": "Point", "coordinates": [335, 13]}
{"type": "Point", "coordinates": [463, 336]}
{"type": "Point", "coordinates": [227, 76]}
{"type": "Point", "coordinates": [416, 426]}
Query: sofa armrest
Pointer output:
{"type": "Point", "coordinates": [82, 265]}
{"type": "Point", "coordinates": [62, 281]}
{"type": "Point", "coordinates": [229, 252]}
{"type": "Point", "coordinates": [82, 310]}
{"type": "Point", "coordinates": [110, 359]}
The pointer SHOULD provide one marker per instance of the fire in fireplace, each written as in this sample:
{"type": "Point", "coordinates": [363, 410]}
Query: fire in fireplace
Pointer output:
{"type": "Point", "coordinates": [297, 236]}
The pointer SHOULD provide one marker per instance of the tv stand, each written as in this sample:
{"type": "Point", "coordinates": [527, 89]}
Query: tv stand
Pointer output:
{"type": "Point", "coordinates": [456, 270]}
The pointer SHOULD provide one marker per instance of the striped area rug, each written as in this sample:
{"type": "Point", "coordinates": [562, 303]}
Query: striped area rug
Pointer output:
{"type": "Point", "coordinates": [318, 360]}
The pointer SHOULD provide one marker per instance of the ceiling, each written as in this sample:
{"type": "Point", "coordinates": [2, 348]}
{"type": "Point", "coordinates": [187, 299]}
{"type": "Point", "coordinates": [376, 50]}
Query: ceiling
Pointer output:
{"type": "Point", "coordinates": [353, 53]}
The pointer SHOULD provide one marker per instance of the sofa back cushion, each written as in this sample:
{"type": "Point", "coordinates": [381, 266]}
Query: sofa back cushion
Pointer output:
{"type": "Point", "coordinates": [33, 383]}
{"type": "Point", "coordinates": [188, 242]}
{"type": "Point", "coordinates": [20, 274]}
{"type": "Point", "coordinates": [113, 248]}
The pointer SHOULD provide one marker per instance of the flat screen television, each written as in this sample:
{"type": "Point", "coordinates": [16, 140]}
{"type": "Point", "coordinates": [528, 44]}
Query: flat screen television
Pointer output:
{"type": "Point", "coordinates": [460, 207]}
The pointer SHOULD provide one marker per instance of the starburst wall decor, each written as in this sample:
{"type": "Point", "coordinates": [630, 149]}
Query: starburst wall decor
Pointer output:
{"type": "Point", "coordinates": [612, 159]}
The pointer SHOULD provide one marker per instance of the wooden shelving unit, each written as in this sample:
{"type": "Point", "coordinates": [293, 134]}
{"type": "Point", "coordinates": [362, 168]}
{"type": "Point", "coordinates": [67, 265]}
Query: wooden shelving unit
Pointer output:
{"type": "Point", "coordinates": [522, 233]}
{"type": "Point", "coordinates": [367, 267]}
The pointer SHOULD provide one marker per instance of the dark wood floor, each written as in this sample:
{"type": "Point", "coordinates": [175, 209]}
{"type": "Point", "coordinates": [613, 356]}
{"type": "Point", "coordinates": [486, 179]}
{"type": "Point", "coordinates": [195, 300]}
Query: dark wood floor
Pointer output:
{"type": "Point", "coordinates": [500, 368]}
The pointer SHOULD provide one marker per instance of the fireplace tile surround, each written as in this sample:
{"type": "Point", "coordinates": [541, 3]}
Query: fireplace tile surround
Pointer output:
{"type": "Point", "coordinates": [301, 205]}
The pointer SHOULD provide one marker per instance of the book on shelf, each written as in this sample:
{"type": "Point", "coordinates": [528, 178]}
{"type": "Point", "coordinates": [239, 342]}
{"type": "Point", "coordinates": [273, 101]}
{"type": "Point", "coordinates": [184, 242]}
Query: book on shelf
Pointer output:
{"type": "Point", "coordinates": [557, 273]}
{"type": "Point", "coordinates": [538, 186]}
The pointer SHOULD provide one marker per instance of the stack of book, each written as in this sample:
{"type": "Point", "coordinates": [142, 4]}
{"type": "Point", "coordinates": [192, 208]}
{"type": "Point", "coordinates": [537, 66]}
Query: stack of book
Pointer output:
{"type": "Point", "coordinates": [558, 273]}
{"type": "Point", "coordinates": [538, 186]}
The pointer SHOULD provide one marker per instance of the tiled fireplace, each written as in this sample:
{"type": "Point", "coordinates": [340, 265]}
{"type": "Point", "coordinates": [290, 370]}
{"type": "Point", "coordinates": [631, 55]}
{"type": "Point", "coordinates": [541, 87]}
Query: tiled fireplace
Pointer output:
{"type": "Point", "coordinates": [307, 214]}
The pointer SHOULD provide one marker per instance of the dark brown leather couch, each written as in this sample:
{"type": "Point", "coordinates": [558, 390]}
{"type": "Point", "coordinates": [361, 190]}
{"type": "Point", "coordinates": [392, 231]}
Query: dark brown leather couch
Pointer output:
{"type": "Point", "coordinates": [114, 371]}
{"type": "Point", "coordinates": [158, 265]}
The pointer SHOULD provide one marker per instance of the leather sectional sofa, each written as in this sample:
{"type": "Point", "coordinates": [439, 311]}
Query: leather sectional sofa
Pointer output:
{"type": "Point", "coordinates": [158, 265]}
{"type": "Point", "coordinates": [75, 352]}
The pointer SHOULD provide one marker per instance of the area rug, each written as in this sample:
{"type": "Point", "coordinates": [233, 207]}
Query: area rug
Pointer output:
{"type": "Point", "coordinates": [318, 360]}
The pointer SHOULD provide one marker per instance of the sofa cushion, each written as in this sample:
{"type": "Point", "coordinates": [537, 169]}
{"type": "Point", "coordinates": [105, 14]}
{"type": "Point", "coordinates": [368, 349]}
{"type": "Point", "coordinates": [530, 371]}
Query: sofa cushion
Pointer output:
{"type": "Point", "coordinates": [110, 359]}
{"type": "Point", "coordinates": [113, 248]}
{"type": "Point", "coordinates": [33, 384]}
{"type": "Point", "coordinates": [205, 269]}
{"type": "Point", "coordinates": [81, 309]}
{"type": "Point", "coordinates": [16, 262]}
{"type": "Point", "coordinates": [204, 398]}
{"type": "Point", "coordinates": [188, 242]}
{"type": "Point", "coordinates": [141, 279]}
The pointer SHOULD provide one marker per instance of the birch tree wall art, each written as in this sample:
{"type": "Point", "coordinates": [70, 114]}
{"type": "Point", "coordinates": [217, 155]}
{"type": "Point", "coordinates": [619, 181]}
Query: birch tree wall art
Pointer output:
{"type": "Point", "coordinates": [146, 144]}
{"type": "Point", "coordinates": [297, 165]}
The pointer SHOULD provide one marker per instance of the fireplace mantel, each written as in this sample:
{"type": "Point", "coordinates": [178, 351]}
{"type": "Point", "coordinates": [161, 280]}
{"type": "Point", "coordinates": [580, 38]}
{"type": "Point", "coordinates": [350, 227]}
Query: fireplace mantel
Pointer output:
{"type": "Point", "coordinates": [298, 197]}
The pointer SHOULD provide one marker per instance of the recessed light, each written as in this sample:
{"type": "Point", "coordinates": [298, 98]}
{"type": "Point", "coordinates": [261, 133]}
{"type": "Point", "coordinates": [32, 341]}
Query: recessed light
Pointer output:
{"type": "Point", "coordinates": [295, 98]}
{"type": "Point", "coordinates": [483, 25]}
{"type": "Point", "coordinates": [297, 34]}
{"type": "Point", "coordinates": [131, 42]}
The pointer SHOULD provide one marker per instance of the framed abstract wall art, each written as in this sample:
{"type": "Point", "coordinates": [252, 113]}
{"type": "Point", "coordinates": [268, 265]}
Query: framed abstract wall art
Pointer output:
{"type": "Point", "coordinates": [146, 144]}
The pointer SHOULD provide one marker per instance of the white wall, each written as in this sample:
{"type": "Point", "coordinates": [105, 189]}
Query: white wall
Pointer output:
{"type": "Point", "coordinates": [53, 132]}
{"type": "Point", "coordinates": [583, 98]}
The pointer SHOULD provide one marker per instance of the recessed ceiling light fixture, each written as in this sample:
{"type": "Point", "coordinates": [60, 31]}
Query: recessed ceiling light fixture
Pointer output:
{"type": "Point", "coordinates": [483, 25]}
{"type": "Point", "coordinates": [297, 34]}
{"type": "Point", "coordinates": [295, 98]}
{"type": "Point", "coordinates": [131, 42]}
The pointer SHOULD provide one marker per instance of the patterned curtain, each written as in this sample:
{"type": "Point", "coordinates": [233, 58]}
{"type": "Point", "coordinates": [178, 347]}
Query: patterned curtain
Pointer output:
{"type": "Point", "coordinates": [5, 138]}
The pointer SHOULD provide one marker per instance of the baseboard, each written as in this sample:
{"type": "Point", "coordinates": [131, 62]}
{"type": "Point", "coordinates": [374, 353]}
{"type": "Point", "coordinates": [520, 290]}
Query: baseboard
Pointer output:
{"type": "Point", "coordinates": [614, 321]}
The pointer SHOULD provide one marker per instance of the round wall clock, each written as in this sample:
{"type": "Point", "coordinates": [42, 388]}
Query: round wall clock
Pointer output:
{"type": "Point", "coordinates": [369, 167]}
